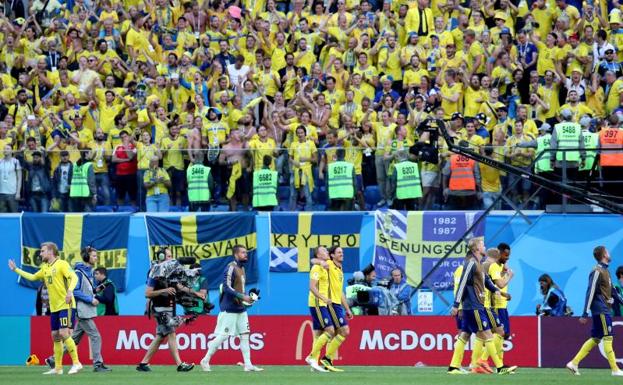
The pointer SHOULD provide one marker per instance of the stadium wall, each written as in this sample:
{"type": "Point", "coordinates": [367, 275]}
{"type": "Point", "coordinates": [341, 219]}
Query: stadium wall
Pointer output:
{"type": "Point", "coordinates": [286, 340]}
{"type": "Point", "coordinates": [560, 245]}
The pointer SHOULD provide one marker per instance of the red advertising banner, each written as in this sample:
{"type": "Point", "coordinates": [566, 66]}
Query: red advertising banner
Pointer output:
{"type": "Point", "coordinates": [562, 337]}
{"type": "Point", "coordinates": [286, 340]}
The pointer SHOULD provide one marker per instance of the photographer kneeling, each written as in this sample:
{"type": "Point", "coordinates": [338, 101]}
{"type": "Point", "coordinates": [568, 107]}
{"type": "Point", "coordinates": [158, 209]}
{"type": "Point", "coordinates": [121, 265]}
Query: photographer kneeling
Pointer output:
{"type": "Point", "coordinates": [162, 298]}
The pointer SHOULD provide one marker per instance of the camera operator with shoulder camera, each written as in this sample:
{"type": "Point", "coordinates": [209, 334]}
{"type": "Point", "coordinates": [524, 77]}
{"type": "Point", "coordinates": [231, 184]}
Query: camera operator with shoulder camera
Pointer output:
{"type": "Point", "coordinates": [162, 298]}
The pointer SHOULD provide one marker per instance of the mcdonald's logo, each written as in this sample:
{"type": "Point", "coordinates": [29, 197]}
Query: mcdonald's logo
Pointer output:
{"type": "Point", "coordinates": [298, 355]}
{"type": "Point", "coordinates": [299, 338]}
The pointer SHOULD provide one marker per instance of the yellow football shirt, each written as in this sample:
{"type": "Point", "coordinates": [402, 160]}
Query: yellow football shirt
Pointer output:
{"type": "Point", "coordinates": [496, 271]}
{"type": "Point", "coordinates": [336, 283]}
{"type": "Point", "coordinates": [318, 273]}
{"type": "Point", "coordinates": [58, 278]}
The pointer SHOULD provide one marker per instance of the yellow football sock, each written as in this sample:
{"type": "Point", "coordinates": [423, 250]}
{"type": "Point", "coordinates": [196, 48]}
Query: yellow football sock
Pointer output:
{"type": "Point", "coordinates": [58, 355]}
{"type": "Point", "coordinates": [477, 351]}
{"type": "Point", "coordinates": [334, 345]}
{"type": "Point", "coordinates": [457, 355]}
{"type": "Point", "coordinates": [72, 350]}
{"type": "Point", "coordinates": [485, 355]}
{"type": "Point", "coordinates": [493, 352]}
{"type": "Point", "coordinates": [612, 359]}
{"type": "Point", "coordinates": [499, 345]}
{"type": "Point", "coordinates": [319, 343]}
{"type": "Point", "coordinates": [584, 350]}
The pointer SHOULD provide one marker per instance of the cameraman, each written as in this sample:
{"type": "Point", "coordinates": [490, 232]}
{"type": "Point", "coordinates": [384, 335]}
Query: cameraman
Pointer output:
{"type": "Point", "coordinates": [200, 305]}
{"type": "Point", "coordinates": [162, 304]}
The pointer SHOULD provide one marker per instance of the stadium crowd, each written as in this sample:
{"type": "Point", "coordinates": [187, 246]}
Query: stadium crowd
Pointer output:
{"type": "Point", "coordinates": [159, 105]}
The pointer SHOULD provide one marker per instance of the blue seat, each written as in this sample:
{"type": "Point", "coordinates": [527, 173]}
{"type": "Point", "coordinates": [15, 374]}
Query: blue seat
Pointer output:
{"type": "Point", "coordinates": [104, 209]}
{"type": "Point", "coordinates": [126, 209]}
{"type": "Point", "coordinates": [283, 193]}
{"type": "Point", "coordinates": [175, 209]}
{"type": "Point", "coordinates": [372, 196]}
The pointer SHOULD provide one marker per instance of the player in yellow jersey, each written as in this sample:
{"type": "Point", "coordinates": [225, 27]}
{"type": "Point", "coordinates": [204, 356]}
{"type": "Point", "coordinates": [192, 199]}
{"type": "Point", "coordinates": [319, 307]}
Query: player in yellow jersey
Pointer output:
{"type": "Point", "coordinates": [318, 303]}
{"type": "Point", "coordinates": [60, 280]}
{"type": "Point", "coordinates": [339, 309]}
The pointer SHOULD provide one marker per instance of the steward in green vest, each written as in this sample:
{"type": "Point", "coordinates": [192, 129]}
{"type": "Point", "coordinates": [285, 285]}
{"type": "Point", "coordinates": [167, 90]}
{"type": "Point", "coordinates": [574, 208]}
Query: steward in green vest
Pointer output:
{"type": "Point", "coordinates": [341, 183]}
{"type": "Point", "coordinates": [265, 186]}
{"type": "Point", "coordinates": [591, 140]}
{"type": "Point", "coordinates": [82, 188]}
{"type": "Point", "coordinates": [200, 184]}
{"type": "Point", "coordinates": [543, 142]}
{"type": "Point", "coordinates": [568, 135]}
{"type": "Point", "coordinates": [407, 181]}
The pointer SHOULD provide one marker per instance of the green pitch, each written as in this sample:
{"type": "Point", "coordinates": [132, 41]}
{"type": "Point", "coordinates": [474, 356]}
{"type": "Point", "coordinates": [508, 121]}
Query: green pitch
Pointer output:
{"type": "Point", "coordinates": [300, 375]}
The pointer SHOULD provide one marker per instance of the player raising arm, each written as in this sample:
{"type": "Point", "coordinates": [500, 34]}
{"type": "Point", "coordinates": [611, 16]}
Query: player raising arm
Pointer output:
{"type": "Point", "coordinates": [60, 280]}
{"type": "Point", "coordinates": [599, 299]}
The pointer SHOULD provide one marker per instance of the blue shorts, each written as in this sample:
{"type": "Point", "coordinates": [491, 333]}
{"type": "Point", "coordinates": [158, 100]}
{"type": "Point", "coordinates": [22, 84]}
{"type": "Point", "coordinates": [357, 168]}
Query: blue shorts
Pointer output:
{"type": "Point", "coordinates": [321, 318]}
{"type": "Point", "coordinates": [459, 322]}
{"type": "Point", "coordinates": [602, 326]}
{"type": "Point", "coordinates": [504, 320]}
{"type": "Point", "coordinates": [475, 321]}
{"type": "Point", "coordinates": [63, 319]}
{"type": "Point", "coordinates": [338, 315]}
{"type": "Point", "coordinates": [493, 318]}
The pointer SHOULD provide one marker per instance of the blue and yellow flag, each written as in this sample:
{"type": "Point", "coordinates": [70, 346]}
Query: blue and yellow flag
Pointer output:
{"type": "Point", "coordinates": [72, 232]}
{"type": "Point", "coordinates": [208, 238]}
{"type": "Point", "coordinates": [415, 241]}
{"type": "Point", "coordinates": [295, 235]}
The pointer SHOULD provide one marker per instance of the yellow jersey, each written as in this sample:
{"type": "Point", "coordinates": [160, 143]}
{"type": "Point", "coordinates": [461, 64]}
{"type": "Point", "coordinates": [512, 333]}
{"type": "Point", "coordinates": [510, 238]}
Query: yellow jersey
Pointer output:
{"type": "Point", "coordinates": [318, 273]}
{"type": "Point", "coordinates": [496, 271]}
{"type": "Point", "coordinates": [336, 282]}
{"type": "Point", "coordinates": [58, 277]}
{"type": "Point", "coordinates": [457, 280]}
{"type": "Point", "coordinates": [158, 188]}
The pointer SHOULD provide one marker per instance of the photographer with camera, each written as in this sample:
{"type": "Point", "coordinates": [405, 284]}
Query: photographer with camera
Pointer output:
{"type": "Point", "coordinates": [162, 302]}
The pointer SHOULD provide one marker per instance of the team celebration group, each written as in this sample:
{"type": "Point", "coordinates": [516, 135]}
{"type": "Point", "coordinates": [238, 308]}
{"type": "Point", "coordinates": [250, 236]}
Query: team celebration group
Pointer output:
{"type": "Point", "coordinates": [480, 308]}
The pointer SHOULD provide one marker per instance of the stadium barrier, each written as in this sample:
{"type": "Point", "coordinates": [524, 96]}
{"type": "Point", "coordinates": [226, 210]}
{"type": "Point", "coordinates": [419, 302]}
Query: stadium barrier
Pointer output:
{"type": "Point", "coordinates": [286, 340]}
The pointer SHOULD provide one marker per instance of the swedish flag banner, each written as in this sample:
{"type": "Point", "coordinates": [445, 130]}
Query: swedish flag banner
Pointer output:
{"type": "Point", "coordinates": [208, 238]}
{"type": "Point", "coordinates": [295, 235]}
{"type": "Point", "coordinates": [414, 241]}
{"type": "Point", "coordinates": [72, 232]}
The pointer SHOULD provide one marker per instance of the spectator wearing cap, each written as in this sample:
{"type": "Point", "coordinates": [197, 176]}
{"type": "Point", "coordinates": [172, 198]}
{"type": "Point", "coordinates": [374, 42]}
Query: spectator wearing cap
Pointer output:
{"type": "Point", "coordinates": [500, 28]}
{"type": "Point", "coordinates": [609, 63]}
{"type": "Point", "coordinates": [124, 156]}
{"type": "Point", "coordinates": [38, 186]}
{"type": "Point", "coordinates": [61, 181]}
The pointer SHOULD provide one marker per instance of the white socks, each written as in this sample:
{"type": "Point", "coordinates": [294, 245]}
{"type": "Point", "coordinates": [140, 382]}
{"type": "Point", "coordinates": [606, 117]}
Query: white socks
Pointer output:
{"type": "Point", "coordinates": [245, 349]}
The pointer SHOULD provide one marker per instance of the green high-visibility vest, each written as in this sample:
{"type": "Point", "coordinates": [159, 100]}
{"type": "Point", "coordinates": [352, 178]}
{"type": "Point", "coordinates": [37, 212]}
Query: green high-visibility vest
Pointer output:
{"type": "Point", "coordinates": [568, 136]}
{"type": "Point", "coordinates": [198, 187]}
{"type": "Point", "coordinates": [265, 188]}
{"type": "Point", "coordinates": [544, 164]}
{"type": "Point", "coordinates": [79, 187]}
{"type": "Point", "coordinates": [591, 140]}
{"type": "Point", "coordinates": [341, 180]}
{"type": "Point", "coordinates": [408, 184]}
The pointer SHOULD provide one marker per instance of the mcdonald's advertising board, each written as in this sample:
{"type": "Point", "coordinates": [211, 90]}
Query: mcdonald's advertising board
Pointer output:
{"type": "Point", "coordinates": [286, 340]}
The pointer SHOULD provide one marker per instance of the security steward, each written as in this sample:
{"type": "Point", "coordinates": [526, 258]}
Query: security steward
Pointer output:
{"type": "Point", "coordinates": [611, 162]}
{"type": "Point", "coordinates": [200, 184]}
{"type": "Point", "coordinates": [82, 188]}
{"type": "Point", "coordinates": [461, 183]}
{"type": "Point", "coordinates": [341, 182]}
{"type": "Point", "coordinates": [568, 135]}
{"type": "Point", "coordinates": [265, 186]}
{"type": "Point", "coordinates": [408, 190]}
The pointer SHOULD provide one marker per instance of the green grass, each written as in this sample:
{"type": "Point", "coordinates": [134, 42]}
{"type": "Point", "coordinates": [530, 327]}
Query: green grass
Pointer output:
{"type": "Point", "coordinates": [300, 375]}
